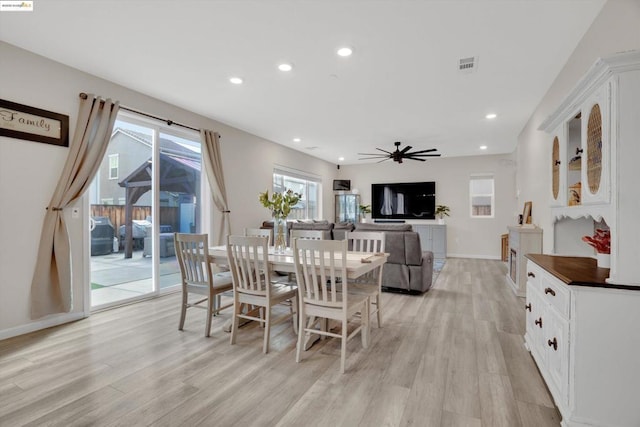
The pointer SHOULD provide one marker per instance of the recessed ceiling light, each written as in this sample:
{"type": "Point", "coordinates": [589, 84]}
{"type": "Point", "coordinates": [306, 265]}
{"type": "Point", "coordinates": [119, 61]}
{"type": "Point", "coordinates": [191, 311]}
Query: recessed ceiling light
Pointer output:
{"type": "Point", "coordinates": [296, 140]}
{"type": "Point", "coordinates": [491, 116]}
{"type": "Point", "coordinates": [341, 159]}
{"type": "Point", "coordinates": [236, 80]}
{"type": "Point", "coordinates": [483, 147]}
{"type": "Point", "coordinates": [345, 51]}
{"type": "Point", "coordinates": [285, 67]}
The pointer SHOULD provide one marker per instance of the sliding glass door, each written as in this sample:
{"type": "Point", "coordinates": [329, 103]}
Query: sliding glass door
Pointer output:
{"type": "Point", "coordinates": [147, 188]}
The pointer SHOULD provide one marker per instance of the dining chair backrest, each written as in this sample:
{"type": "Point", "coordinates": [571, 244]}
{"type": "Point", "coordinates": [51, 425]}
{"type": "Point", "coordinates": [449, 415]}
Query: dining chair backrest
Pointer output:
{"type": "Point", "coordinates": [365, 241]}
{"type": "Point", "coordinates": [192, 252]}
{"type": "Point", "coordinates": [307, 234]}
{"type": "Point", "coordinates": [248, 261]}
{"type": "Point", "coordinates": [260, 232]}
{"type": "Point", "coordinates": [321, 270]}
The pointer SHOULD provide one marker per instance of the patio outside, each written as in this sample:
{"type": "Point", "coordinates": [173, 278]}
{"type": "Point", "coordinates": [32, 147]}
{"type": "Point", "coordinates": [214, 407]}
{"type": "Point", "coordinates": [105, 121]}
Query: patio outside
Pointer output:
{"type": "Point", "coordinates": [115, 278]}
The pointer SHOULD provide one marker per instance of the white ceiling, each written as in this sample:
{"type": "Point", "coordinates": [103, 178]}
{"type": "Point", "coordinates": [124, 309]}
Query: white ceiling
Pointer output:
{"type": "Point", "coordinates": [401, 84]}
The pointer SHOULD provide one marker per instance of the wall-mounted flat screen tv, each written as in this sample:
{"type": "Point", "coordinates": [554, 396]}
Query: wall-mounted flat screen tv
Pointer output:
{"type": "Point", "coordinates": [403, 200]}
{"type": "Point", "coordinates": [341, 184]}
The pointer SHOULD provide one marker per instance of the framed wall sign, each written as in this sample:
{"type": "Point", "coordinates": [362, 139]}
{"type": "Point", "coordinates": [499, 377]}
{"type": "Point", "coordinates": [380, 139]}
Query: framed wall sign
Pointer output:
{"type": "Point", "coordinates": [33, 124]}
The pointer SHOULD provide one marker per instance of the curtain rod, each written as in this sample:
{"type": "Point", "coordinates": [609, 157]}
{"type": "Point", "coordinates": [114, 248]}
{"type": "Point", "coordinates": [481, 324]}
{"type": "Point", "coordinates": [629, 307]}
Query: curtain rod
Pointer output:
{"type": "Point", "coordinates": [167, 121]}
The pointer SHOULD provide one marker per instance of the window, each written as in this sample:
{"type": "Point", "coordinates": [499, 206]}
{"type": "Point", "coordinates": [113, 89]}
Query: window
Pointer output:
{"type": "Point", "coordinates": [481, 196]}
{"type": "Point", "coordinates": [114, 161]}
{"type": "Point", "coordinates": [309, 205]}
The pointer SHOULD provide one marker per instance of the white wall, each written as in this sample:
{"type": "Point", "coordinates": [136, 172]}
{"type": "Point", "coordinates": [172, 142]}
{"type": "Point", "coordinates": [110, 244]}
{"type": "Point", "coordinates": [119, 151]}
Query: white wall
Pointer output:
{"type": "Point", "coordinates": [29, 172]}
{"type": "Point", "coordinates": [616, 29]}
{"type": "Point", "coordinates": [466, 237]}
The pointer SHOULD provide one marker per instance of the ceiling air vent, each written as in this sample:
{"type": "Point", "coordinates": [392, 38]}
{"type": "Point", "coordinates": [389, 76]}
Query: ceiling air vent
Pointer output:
{"type": "Point", "coordinates": [468, 65]}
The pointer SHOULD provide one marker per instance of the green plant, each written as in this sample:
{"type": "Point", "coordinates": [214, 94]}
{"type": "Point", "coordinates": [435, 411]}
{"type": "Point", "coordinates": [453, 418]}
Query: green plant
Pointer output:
{"type": "Point", "coordinates": [279, 204]}
{"type": "Point", "coordinates": [442, 211]}
{"type": "Point", "coordinates": [364, 209]}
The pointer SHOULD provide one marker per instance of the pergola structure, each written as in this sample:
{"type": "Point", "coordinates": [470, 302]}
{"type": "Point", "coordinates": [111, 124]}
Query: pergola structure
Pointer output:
{"type": "Point", "coordinates": [178, 174]}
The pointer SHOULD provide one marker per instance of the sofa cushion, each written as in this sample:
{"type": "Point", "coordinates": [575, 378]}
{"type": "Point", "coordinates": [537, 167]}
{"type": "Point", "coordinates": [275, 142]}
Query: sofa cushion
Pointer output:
{"type": "Point", "coordinates": [412, 248]}
{"type": "Point", "coordinates": [383, 227]}
{"type": "Point", "coordinates": [325, 227]}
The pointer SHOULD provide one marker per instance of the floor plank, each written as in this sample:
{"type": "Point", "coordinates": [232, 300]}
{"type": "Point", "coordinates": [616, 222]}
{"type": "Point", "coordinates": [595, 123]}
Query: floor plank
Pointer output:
{"type": "Point", "coordinates": [451, 357]}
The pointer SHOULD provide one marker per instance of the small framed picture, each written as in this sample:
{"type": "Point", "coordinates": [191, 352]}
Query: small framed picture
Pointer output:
{"type": "Point", "coordinates": [33, 124]}
{"type": "Point", "coordinates": [526, 214]}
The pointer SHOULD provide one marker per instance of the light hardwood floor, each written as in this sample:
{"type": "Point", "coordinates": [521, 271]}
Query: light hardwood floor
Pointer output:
{"type": "Point", "coordinates": [452, 357]}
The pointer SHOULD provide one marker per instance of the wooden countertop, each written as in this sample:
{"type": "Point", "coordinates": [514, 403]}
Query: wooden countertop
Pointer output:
{"type": "Point", "coordinates": [577, 271]}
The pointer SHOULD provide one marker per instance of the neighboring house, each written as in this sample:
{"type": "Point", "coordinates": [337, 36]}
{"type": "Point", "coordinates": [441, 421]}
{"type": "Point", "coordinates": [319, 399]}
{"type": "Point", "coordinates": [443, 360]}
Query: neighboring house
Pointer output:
{"type": "Point", "coordinates": [127, 154]}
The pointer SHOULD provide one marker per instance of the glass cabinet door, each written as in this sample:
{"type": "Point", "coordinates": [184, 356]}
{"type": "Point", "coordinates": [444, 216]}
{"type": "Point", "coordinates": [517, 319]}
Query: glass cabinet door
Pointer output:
{"type": "Point", "coordinates": [347, 207]}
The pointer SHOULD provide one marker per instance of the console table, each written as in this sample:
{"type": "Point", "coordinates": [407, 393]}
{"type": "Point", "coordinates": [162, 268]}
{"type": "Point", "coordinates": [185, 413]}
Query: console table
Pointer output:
{"type": "Point", "coordinates": [433, 237]}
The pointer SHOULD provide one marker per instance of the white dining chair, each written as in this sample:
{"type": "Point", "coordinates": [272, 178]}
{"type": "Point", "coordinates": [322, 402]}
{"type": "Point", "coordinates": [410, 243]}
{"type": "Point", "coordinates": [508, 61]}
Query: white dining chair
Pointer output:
{"type": "Point", "coordinates": [260, 232]}
{"type": "Point", "coordinates": [371, 283]}
{"type": "Point", "coordinates": [320, 266]}
{"type": "Point", "coordinates": [197, 277]}
{"type": "Point", "coordinates": [254, 294]}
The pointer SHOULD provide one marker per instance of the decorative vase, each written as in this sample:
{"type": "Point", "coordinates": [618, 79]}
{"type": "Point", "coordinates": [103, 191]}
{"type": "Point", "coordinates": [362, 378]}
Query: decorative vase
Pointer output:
{"type": "Point", "coordinates": [440, 220]}
{"type": "Point", "coordinates": [279, 230]}
{"type": "Point", "coordinates": [604, 260]}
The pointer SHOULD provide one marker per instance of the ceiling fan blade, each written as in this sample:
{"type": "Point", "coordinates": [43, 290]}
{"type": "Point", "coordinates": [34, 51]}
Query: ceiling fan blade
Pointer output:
{"type": "Point", "coordinates": [424, 151]}
{"type": "Point", "coordinates": [416, 158]}
{"type": "Point", "coordinates": [372, 154]}
{"type": "Point", "coordinates": [373, 158]}
{"type": "Point", "coordinates": [388, 152]}
{"type": "Point", "coordinates": [384, 160]}
{"type": "Point", "coordinates": [424, 155]}
{"type": "Point", "coordinates": [405, 149]}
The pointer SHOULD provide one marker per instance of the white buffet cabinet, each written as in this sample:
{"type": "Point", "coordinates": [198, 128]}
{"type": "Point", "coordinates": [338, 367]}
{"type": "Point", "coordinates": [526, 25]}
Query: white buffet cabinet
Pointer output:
{"type": "Point", "coordinates": [584, 335]}
{"type": "Point", "coordinates": [433, 237]}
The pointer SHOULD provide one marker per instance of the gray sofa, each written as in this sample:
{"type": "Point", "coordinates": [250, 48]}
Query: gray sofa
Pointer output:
{"type": "Point", "coordinates": [408, 269]}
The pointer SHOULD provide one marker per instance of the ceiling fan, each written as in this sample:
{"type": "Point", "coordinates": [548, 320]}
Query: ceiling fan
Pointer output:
{"type": "Point", "coordinates": [399, 155]}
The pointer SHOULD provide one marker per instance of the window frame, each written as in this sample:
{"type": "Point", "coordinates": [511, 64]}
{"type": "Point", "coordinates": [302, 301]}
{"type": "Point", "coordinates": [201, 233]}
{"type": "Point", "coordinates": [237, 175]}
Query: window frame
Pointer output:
{"type": "Point", "coordinates": [295, 174]}
{"type": "Point", "coordinates": [115, 157]}
{"type": "Point", "coordinates": [491, 195]}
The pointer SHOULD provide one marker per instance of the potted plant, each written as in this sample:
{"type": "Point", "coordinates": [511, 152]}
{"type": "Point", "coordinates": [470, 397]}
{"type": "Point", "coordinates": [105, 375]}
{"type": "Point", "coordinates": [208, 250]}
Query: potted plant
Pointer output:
{"type": "Point", "coordinates": [364, 210]}
{"type": "Point", "coordinates": [441, 212]}
{"type": "Point", "coordinates": [601, 242]}
{"type": "Point", "coordinates": [280, 205]}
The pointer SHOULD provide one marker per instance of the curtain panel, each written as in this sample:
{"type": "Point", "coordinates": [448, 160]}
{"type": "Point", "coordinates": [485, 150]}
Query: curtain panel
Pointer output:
{"type": "Point", "coordinates": [51, 284]}
{"type": "Point", "coordinates": [212, 159]}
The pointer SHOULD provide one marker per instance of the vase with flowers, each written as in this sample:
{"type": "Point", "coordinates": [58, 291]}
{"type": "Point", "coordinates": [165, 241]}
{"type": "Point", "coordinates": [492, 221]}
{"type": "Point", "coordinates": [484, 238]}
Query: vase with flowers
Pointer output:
{"type": "Point", "coordinates": [601, 242]}
{"type": "Point", "coordinates": [280, 205]}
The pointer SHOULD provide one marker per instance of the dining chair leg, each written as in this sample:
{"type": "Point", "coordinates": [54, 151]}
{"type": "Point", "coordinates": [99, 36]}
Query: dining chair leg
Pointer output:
{"type": "Point", "coordinates": [183, 312]}
{"type": "Point", "coordinates": [267, 329]}
{"type": "Point", "coordinates": [343, 348]}
{"type": "Point", "coordinates": [301, 336]}
{"type": "Point", "coordinates": [364, 332]}
{"type": "Point", "coordinates": [294, 315]}
{"type": "Point", "coordinates": [379, 309]}
{"type": "Point", "coordinates": [237, 308]}
{"type": "Point", "coordinates": [210, 311]}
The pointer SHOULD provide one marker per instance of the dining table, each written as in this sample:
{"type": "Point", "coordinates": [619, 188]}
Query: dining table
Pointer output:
{"type": "Point", "coordinates": [358, 264]}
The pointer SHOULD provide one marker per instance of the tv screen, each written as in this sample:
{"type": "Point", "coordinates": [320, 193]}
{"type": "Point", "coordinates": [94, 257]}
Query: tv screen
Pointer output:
{"type": "Point", "coordinates": [341, 185]}
{"type": "Point", "coordinates": [405, 200]}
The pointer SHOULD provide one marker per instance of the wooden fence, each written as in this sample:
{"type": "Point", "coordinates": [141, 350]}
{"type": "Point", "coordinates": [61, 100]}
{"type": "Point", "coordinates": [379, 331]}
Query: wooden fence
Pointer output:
{"type": "Point", "coordinates": [168, 215]}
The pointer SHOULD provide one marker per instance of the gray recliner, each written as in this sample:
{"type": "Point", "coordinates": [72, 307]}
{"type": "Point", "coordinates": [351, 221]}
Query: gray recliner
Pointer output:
{"type": "Point", "coordinates": [408, 267]}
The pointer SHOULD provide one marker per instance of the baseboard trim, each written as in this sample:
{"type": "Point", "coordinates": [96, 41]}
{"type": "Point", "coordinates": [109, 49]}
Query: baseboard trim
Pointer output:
{"type": "Point", "coordinates": [41, 324]}
{"type": "Point", "coordinates": [492, 257]}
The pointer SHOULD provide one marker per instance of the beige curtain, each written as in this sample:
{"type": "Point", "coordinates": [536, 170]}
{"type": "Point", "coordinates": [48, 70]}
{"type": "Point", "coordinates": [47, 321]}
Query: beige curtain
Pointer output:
{"type": "Point", "coordinates": [51, 284]}
{"type": "Point", "coordinates": [213, 166]}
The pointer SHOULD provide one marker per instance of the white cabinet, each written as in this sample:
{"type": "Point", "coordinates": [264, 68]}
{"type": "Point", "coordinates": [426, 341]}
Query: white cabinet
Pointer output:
{"type": "Point", "coordinates": [583, 335]}
{"type": "Point", "coordinates": [522, 241]}
{"type": "Point", "coordinates": [594, 152]}
{"type": "Point", "coordinates": [433, 237]}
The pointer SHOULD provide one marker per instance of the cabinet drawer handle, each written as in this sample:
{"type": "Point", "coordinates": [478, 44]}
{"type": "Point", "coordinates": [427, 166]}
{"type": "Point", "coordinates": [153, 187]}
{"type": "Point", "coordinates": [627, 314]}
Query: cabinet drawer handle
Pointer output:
{"type": "Point", "coordinates": [550, 291]}
{"type": "Point", "coordinates": [528, 307]}
{"type": "Point", "coordinates": [557, 162]}
{"type": "Point", "coordinates": [553, 343]}
{"type": "Point", "coordinates": [539, 322]}
{"type": "Point", "coordinates": [530, 274]}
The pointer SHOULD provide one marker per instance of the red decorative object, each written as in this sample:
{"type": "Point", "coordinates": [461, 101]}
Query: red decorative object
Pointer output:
{"type": "Point", "coordinates": [601, 241]}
